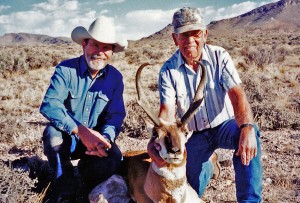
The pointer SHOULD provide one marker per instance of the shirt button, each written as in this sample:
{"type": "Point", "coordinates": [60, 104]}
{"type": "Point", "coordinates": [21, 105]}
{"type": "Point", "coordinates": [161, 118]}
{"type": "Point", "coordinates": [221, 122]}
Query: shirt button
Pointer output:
{"type": "Point", "coordinates": [89, 95]}
{"type": "Point", "coordinates": [87, 109]}
{"type": "Point", "coordinates": [84, 122]}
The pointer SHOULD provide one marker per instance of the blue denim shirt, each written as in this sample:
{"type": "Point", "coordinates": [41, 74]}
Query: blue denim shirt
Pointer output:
{"type": "Point", "coordinates": [74, 98]}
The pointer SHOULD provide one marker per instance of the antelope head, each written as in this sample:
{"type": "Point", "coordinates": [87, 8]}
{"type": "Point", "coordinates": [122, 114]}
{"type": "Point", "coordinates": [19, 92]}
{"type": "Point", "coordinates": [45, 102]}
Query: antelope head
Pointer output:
{"type": "Point", "coordinates": [171, 136]}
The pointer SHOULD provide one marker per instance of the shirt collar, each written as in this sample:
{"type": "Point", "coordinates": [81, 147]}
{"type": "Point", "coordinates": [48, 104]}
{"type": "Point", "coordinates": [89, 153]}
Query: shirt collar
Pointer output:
{"type": "Point", "coordinates": [181, 61]}
{"type": "Point", "coordinates": [205, 56]}
{"type": "Point", "coordinates": [85, 70]}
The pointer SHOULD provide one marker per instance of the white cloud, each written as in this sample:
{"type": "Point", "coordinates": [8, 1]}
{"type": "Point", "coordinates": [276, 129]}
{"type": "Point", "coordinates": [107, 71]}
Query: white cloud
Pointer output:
{"type": "Point", "coordinates": [2, 8]}
{"type": "Point", "coordinates": [212, 14]}
{"type": "Point", "coordinates": [90, 14]}
{"type": "Point", "coordinates": [149, 16]}
{"type": "Point", "coordinates": [142, 23]}
{"type": "Point", "coordinates": [102, 12]}
{"type": "Point", "coordinates": [103, 2]}
{"type": "Point", "coordinates": [54, 5]}
{"type": "Point", "coordinates": [51, 5]}
{"type": "Point", "coordinates": [23, 21]}
{"type": "Point", "coordinates": [71, 5]}
{"type": "Point", "coordinates": [52, 17]}
{"type": "Point", "coordinates": [267, 2]}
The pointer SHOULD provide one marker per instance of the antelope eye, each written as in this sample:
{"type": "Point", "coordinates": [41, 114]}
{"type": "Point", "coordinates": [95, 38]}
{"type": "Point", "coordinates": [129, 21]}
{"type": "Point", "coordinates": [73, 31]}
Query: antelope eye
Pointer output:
{"type": "Point", "coordinates": [154, 135]}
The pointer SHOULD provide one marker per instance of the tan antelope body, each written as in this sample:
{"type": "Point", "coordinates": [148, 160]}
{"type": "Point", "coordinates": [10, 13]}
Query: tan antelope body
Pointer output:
{"type": "Point", "coordinates": [168, 184]}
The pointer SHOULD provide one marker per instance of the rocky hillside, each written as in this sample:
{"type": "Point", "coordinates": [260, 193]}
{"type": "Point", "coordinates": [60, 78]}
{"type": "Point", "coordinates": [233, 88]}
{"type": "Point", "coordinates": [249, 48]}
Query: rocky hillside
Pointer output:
{"type": "Point", "coordinates": [284, 14]}
{"type": "Point", "coordinates": [31, 39]}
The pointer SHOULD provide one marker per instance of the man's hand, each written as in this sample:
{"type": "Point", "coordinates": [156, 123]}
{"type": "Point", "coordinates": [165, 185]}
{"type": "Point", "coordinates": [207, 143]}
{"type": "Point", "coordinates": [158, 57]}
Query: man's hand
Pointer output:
{"type": "Point", "coordinates": [243, 114]}
{"type": "Point", "coordinates": [101, 148]}
{"type": "Point", "coordinates": [247, 145]}
{"type": "Point", "coordinates": [95, 143]}
{"type": "Point", "coordinates": [153, 151]}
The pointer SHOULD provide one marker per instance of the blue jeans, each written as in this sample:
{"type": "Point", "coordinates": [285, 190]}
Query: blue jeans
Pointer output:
{"type": "Point", "coordinates": [200, 147]}
{"type": "Point", "coordinates": [60, 148]}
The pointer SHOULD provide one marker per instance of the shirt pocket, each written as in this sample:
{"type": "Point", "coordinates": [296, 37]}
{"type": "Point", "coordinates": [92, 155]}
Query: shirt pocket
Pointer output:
{"type": "Point", "coordinates": [101, 102]}
{"type": "Point", "coordinates": [183, 100]}
{"type": "Point", "coordinates": [73, 102]}
{"type": "Point", "coordinates": [214, 86]}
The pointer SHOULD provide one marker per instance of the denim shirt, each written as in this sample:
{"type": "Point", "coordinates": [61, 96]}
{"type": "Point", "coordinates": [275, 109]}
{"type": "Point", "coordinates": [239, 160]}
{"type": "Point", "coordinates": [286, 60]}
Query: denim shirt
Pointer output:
{"type": "Point", "coordinates": [74, 98]}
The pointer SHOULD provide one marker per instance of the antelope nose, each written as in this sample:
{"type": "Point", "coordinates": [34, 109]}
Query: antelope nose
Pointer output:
{"type": "Point", "coordinates": [175, 150]}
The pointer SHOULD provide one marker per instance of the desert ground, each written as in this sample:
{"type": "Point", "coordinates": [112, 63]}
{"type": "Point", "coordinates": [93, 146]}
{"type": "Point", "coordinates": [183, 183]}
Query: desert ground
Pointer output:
{"type": "Point", "coordinates": [268, 63]}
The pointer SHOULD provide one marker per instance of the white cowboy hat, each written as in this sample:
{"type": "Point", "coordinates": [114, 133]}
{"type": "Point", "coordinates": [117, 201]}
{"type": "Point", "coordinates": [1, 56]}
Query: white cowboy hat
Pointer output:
{"type": "Point", "coordinates": [101, 30]}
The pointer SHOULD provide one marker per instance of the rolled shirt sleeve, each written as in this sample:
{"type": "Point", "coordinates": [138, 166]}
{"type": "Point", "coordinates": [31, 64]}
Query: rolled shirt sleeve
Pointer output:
{"type": "Point", "coordinates": [230, 76]}
{"type": "Point", "coordinates": [167, 92]}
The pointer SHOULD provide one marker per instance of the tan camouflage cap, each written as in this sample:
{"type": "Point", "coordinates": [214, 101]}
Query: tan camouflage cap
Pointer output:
{"type": "Point", "coordinates": [187, 19]}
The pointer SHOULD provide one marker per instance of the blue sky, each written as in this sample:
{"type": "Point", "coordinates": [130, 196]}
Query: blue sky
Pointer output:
{"type": "Point", "coordinates": [134, 18]}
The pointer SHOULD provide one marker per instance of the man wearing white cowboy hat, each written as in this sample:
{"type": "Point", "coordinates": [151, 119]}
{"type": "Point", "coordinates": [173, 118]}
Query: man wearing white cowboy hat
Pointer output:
{"type": "Point", "coordinates": [85, 107]}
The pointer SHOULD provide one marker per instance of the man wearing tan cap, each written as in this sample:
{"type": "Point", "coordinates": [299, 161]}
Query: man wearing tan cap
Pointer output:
{"type": "Point", "coordinates": [85, 107]}
{"type": "Point", "coordinates": [224, 119]}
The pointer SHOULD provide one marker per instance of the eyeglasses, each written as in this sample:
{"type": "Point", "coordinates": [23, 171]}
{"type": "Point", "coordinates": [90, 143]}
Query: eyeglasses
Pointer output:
{"type": "Point", "coordinates": [196, 34]}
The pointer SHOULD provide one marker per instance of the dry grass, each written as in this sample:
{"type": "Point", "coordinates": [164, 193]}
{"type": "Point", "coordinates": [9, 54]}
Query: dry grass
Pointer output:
{"type": "Point", "coordinates": [15, 185]}
{"type": "Point", "coordinates": [26, 58]}
{"type": "Point", "coordinates": [268, 64]}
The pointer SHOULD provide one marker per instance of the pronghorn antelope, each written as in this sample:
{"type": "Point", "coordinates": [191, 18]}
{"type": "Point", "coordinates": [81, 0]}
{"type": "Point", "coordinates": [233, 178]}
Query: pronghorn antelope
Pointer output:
{"type": "Point", "coordinates": [168, 184]}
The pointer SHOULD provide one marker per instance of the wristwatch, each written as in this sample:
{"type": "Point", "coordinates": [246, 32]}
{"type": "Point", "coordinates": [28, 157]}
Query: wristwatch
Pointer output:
{"type": "Point", "coordinates": [246, 125]}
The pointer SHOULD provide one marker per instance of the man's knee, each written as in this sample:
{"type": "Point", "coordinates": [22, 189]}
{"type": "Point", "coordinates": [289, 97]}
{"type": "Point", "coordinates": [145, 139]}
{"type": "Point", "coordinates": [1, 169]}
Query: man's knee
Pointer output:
{"type": "Point", "coordinates": [52, 138]}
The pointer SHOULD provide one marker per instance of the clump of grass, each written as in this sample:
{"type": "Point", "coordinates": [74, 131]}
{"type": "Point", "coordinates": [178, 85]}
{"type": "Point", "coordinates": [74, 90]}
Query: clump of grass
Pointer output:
{"type": "Point", "coordinates": [134, 124]}
{"type": "Point", "coordinates": [152, 54]}
{"type": "Point", "coordinates": [270, 105]}
{"type": "Point", "coordinates": [15, 186]}
{"type": "Point", "coordinates": [132, 56]}
{"type": "Point", "coordinates": [26, 58]}
{"type": "Point", "coordinates": [259, 56]}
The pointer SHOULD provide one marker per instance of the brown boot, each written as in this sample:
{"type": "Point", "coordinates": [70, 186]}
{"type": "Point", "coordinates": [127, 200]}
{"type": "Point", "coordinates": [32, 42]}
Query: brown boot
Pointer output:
{"type": "Point", "coordinates": [217, 168]}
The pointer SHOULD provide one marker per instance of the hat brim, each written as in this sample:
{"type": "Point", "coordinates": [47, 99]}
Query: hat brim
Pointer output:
{"type": "Point", "coordinates": [80, 33]}
{"type": "Point", "coordinates": [190, 27]}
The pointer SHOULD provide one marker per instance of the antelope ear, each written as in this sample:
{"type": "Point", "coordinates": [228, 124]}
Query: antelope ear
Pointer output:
{"type": "Point", "coordinates": [184, 128]}
{"type": "Point", "coordinates": [189, 134]}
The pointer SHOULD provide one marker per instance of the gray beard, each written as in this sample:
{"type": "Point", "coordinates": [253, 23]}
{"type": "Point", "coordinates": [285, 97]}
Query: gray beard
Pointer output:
{"type": "Point", "coordinates": [94, 67]}
{"type": "Point", "coordinates": [98, 67]}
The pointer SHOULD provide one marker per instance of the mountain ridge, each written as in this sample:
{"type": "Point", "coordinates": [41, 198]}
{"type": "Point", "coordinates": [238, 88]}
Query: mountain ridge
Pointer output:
{"type": "Point", "coordinates": [284, 14]}
{"type": "Point", "coordinates": [281, 15]}
{"type": "Point", "coordinates": [31, 39]}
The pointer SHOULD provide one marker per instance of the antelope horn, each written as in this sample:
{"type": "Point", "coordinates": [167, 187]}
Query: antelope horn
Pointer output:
{"type": "Point", "coordinates": [144, 104]}
{"type": "Point", "coordinates": [198, 98]}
